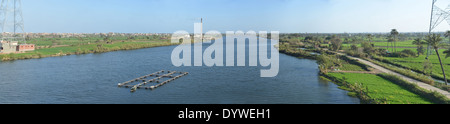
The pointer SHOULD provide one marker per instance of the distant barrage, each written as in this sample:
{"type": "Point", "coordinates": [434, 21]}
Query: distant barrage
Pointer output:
{"type": "Point", "coordinates": [257, 48]}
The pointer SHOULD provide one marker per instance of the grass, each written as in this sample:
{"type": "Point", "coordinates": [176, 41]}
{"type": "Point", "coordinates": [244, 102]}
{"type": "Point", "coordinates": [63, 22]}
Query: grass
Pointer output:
{"type": "Point", "coordinates": [351, 67]}
{"type": "Point", "coordinates": [82, 49]}
{"type": "Point", "coordinates": [416, 63]}
{"type": "Point", "coordinates": [435, 97]}
{"type": "Point", "coordinates": [405, 72]}
{"type": "Point", "coordinates": [407, 43]}
{"type": "Point", "coordinates": [89, 39]}
{"type": "Point", "coordinates": [382, 89]}
{"type": "Point", "coordinates": [398, 44]}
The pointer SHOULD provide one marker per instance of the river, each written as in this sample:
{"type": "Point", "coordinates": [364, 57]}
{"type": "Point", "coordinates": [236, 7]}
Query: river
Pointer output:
{"type": "Point", "coordinates": [93, 79]}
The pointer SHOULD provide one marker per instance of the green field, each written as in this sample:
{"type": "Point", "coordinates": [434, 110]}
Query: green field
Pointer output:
{"type": "Point", "coordinates": [82, 49]}
{"type": "Point", "coordinates": [398, 44]}
{"type": "Point", "coordinates": [380, 88]}
{"type": "Point", "coordinates": [91, 39]}
{"type": "Point", "coordinates": [416, 63]}
{"type": "Point", "coordinates": [59, 45]}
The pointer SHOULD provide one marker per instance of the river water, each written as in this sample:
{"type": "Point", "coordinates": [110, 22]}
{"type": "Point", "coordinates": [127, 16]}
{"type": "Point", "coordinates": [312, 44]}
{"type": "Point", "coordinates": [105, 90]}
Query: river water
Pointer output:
{"type": "Point", "coordinates": [93, 79]}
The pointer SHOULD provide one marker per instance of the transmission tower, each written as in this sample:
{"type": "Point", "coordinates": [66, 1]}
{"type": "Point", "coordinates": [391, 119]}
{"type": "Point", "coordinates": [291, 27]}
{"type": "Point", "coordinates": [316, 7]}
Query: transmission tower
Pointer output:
{"type": "Point", "coordinates": [11, 21]}
{"type": "Point", "coordinates": [438, 15]}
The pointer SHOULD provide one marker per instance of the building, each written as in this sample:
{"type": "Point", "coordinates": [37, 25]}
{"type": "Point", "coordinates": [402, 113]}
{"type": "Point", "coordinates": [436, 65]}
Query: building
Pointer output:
{"type": "Point", "coordinates": [14, 46]}
{"type": "Point", "coordinates": [8, 46]}
{"type": "Point", "coordinates": [25, 47]}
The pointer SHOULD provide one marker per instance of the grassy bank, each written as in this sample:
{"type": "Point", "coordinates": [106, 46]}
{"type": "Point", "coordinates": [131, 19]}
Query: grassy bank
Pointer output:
{"type": "Point", "coordinates": [378, 89]}
{"type": "Point", "coordinates": [381, 88]}
{"type": "Point", "coordinates": [416, 63]}
{"type": "Point", "coordinates": [408, 73]}
{"type": "Point", "coordinates": [82, 49]}
{"type": "Point", "coordinates": [435, 97]}
{"type": "Point", "coordinates": [406, 69]}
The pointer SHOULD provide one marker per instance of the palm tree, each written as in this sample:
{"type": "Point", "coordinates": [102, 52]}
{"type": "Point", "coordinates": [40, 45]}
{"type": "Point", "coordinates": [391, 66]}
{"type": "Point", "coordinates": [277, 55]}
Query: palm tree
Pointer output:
{"type": "Point", "coordinates": [433, 40]}
{"type": "Point", "coordinates": [395, 33]}
{"type": "Point", "coordinates": [418, 42]}
{"type": "Point", "coordinates": [447, 35]}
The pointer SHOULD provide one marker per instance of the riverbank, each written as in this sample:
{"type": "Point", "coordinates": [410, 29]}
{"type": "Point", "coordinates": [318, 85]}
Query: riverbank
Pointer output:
{"type": "Point", "coordinates": [369, 88]}
{"type": "Point", "coordinates": [83, 49]}
{"type": "Point", "coordinates": [92, 79]}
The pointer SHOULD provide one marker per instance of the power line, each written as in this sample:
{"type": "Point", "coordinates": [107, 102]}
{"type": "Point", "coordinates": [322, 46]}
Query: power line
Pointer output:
{"type": "Point", "coordinates": [11, 20]}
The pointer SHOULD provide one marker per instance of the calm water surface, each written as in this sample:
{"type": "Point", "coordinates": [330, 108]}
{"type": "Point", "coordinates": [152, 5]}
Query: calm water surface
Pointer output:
{"type": "Point", "coordinates": [93, 78]}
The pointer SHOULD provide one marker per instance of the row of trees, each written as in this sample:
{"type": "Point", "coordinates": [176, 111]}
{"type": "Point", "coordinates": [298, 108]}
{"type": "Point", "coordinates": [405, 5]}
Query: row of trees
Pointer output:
{"type": "Point", "coordinates": [335, 44]}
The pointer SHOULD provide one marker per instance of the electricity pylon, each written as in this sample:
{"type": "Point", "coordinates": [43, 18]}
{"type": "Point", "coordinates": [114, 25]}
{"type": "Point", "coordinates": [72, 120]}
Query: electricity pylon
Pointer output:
{"type": "Point", "coordinates": [438, 15]}
{"type": "Point", "coordinates": [11, 21]}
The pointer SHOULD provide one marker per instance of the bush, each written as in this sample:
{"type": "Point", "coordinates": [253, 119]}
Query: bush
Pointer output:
{"type": "Point", "coordinates": [368, 48]}
{"type": "Point", "coordinates": [354, 47]}
{"type": "Point", "coordinates": [404, 53]}
{"type": "Point", "coordinates": [409, 52]}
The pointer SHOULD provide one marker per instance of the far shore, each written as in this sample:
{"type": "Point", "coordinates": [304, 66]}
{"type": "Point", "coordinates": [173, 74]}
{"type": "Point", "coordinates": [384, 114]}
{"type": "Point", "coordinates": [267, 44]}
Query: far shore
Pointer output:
{"type": "Point", "coordinates": [64, 50]}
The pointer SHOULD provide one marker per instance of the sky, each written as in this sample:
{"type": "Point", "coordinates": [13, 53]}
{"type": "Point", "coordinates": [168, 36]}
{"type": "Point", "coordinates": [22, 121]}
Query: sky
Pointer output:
{"type": "Point", "coordinates": [286, 16]}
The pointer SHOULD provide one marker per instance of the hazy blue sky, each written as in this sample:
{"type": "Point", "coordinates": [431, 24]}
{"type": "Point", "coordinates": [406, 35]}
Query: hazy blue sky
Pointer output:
{"type": "Point", "coordinates": [168, 16]}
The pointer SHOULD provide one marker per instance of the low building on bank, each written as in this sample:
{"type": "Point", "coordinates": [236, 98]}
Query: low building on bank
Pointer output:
{"type": "Point", "coordinates": [14, 46]}
{"type": "Point", "coordinates": [25, 47]}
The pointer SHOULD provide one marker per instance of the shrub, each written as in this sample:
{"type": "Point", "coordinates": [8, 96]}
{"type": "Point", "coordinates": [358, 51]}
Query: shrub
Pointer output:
{"type": "Point", "coordinates": [409, 53]}
{"type": "Point", "coordinates": [368, 48]}
{"type": "Point", "coordinates": [353, 47]}
{"type": "Point", "coordinates": [404, 53]}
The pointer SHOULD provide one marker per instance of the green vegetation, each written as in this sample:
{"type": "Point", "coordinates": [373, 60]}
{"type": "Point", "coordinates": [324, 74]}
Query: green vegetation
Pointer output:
{"type": "Point", "coordinates": [51, 40]}
{"type": "Point", "coordinates": [416, 63]}
{"type": "Point", "coordinates": [381, 90]}
{"type": "Point", "coordinates": [54, 45]}
{"type": "Point", "coordinates": [433, 96]}
{"type": "Point", "coordinates": [434, 40]}
{"type": "Point", "coordinates": [420, 49]}
{"type": "Point", "coordinates": [82, 49]}
{"type": "Point", "coordinates": [329, 63]}
{"type": "Point", "coordinates": [405, 72]}
{"type": "Point", "coordinates": [399, 52]}
{"type": "Point", "coordinates": [394, 35]}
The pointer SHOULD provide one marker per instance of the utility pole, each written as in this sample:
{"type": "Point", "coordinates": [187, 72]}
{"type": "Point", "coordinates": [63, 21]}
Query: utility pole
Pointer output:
{"type": "Point", "coordinates": [11, 20]}
{"type": "Point", "coordinates": [431, 27]}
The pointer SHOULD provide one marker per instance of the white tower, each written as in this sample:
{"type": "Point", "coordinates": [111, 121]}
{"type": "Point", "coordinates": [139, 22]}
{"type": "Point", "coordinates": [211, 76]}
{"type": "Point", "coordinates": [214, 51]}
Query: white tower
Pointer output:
{"type": "Point", "coordinates": [201, 21]}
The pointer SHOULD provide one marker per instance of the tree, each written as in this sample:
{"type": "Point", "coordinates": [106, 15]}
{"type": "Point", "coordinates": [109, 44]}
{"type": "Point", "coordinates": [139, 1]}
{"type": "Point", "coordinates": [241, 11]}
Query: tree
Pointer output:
{"type": "Point", "coordinates": [390, 40]}
{"type": "Point", "coordinates": [394, 34]}
{"type": "Point", "coordinates": [316, 44]}
{"type": "Point", "coordinates": [418, 42]}
{"type": "Point", "coordinates": [427, 67]}
{"type": "Point", "coordinates": [433, 40]}
{"type": "Point", "coordinates": [447, 35]}
{"type": "Point", "coordinates": [353, 47]}
{"type": "Point", "coordinates": [367, 47]}
{"type": "Point", "coordinates": [324, 63]}
{"type": "Point", "coordinates": [336, 43]}
{"type": "Point", "coordinates": [370, 37]}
